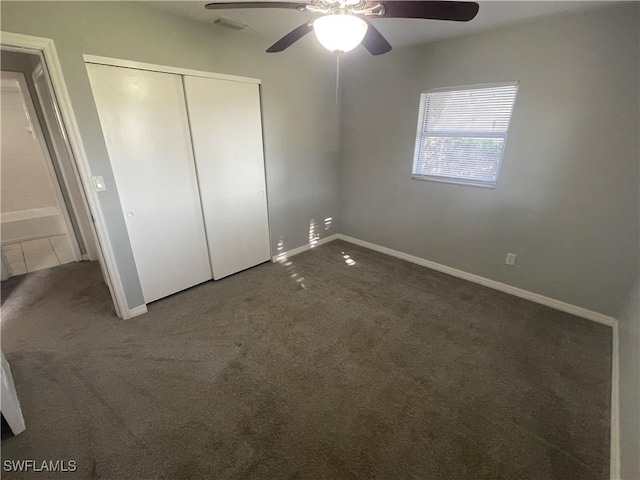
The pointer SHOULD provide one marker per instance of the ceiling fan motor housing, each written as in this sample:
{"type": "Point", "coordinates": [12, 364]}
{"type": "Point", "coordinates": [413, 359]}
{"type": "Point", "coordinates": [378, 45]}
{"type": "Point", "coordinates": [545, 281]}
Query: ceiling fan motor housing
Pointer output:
{"type": "Point", "coordinates": [346, 7]}
{"type": "Point", "coordinates": [355, 22]}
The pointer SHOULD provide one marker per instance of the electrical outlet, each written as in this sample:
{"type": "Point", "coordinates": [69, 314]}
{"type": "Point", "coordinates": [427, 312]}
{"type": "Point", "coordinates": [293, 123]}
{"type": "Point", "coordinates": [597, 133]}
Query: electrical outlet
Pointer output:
{"type": "Point", "coordinates": [511, 259]}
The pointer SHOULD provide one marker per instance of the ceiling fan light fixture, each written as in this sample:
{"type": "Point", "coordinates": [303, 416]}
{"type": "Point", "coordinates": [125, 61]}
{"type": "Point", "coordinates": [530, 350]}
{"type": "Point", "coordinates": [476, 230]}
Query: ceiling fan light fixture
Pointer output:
{"type": "Point", "coordinates": [340, 33]}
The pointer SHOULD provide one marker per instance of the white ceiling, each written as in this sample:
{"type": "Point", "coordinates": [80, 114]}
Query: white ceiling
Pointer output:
{"type": "Point", "coordinates": [272, 24]}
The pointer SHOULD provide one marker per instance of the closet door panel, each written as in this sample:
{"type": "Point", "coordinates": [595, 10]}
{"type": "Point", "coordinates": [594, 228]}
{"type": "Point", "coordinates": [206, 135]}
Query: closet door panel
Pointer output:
{"type": "Point", "coordinates": [146, 129]}
{"type": "Point", "coordinates": [226, 131]}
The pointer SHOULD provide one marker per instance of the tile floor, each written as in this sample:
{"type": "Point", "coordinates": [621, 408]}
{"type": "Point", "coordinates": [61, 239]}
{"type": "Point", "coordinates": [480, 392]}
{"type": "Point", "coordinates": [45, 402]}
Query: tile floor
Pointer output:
{"type": "Point", "coordinates": [39, 254]}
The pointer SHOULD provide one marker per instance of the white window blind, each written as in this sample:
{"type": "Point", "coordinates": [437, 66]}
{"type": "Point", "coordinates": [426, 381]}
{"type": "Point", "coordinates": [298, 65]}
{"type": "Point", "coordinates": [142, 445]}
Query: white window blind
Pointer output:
{"type": "Point", "coordinates": [462, 133]}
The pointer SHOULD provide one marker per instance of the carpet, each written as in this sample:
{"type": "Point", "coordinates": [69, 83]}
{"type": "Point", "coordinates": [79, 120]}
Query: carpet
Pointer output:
{"type": "Point", "coordinates": [339, 363]}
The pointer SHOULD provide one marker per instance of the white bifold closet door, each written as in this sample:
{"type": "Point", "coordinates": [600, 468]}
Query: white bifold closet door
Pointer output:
{"type": "Point", "coordinates": [226, 131]}
{"type": "Point", "coordinates": [146, 129]}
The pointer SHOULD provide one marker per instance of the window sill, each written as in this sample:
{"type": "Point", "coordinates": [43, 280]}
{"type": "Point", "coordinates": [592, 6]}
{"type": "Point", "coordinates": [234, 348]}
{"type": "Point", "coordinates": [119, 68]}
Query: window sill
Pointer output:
{"type": "Point", "coordinates": [455, 181]}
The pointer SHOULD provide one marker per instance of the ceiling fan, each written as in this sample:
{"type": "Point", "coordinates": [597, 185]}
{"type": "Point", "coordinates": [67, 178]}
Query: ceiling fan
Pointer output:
{"type": "Point", "coordinates": [345, 24]}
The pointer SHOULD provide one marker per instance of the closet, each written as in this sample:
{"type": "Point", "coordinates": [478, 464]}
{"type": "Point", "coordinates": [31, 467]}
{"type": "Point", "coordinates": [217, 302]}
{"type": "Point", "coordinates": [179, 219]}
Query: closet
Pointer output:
{"type": "Point", "coordinates": [187, 157]}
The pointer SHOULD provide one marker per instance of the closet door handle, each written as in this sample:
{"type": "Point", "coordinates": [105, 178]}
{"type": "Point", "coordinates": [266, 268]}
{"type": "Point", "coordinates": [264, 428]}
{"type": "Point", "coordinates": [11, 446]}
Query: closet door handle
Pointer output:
{"type": "Point", "coordinates": [129, 214]}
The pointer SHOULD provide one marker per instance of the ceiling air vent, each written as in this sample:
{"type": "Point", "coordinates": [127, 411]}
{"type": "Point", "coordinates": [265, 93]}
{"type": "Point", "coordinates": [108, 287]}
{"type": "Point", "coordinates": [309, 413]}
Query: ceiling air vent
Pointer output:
{"type": "Point", "coordinates": [229, 23]}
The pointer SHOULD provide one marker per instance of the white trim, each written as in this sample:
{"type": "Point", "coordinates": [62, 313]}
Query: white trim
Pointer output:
{"type": "Point", "coordinates": [518, 292]}
{"type": "Point", "coordinates": [10, 85]}
{"type": "Point", "coordinates": [19, 215]}
{"type": "Point", "coordinates": [11, 410]}
{"type": "Point", "coordinates": [65, 161]}
{"type": "Point", "coordinates": [304, 248]}
{"type": "Point", "coordinates": [118, 62]}
{"type": "Point", "coordinates": [614, 467]}
{"type": "Point", "coordinates": [19, 42]}
{"type": "Point", "coordinates": [13, 241]}
{"type": "Point", "coordinates": [135, 311]}
{"type": "Point", "coordinates": [454, 181]}
{"type": "Point", "coordinates": [36, 129]}
{"type": "Point", "coordinates": [514, 83]}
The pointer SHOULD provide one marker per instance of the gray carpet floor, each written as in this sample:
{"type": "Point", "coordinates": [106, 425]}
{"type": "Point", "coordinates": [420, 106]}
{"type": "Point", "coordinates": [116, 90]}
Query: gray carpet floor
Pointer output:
{"type": "Point", "coordinates": [313, 369]}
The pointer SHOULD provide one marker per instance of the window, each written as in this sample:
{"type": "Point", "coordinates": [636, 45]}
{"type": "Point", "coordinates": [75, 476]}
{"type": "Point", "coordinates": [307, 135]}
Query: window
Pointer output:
{"type": "Point", "coordinates": [462, 132]}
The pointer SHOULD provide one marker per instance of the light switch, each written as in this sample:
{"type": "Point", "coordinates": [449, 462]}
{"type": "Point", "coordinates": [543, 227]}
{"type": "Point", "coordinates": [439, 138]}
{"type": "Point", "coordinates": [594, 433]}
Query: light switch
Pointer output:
{"type": "Point", "coordinates": [98, 184]}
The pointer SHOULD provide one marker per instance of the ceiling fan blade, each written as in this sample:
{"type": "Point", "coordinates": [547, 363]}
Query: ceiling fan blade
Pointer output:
{"type": "Point", "coordinates": [434, 10]}
{"type": "Point", "coordinates": [291, 37]}
{"type": "Point", "coordinates": [226, 5]}
{"type": "Point", "coordinates": [374, 42]}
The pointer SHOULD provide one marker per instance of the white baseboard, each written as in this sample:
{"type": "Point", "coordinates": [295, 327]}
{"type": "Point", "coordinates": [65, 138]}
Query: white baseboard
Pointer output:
{"type": "Point", "coordinates": [614, 467]}
{"type": "Point", "coordinates": [134, 312]}
{"type": "Point", "coordinates": [503, 287]}
{"type": "Point", "coordinates": [304, 248]}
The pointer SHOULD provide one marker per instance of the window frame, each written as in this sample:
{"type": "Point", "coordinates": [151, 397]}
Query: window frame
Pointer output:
{"type": "Point", "coordinates": [420, 134]}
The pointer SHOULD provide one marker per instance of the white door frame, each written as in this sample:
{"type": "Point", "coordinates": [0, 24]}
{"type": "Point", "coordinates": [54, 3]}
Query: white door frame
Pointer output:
{"type": "Point", "coordinates": [152, 67]}
{"type": "Point", "coordinates": [45, 46]}
{"type": "Point", "coordinates": [11, 410]}
{"type": "Point", "coordinates": [36, 130]}
{"type": "Point", "coordinates": [64, 157]}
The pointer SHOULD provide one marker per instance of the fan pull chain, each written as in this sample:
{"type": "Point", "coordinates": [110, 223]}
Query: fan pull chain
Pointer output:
{"type": "Point", "coordinates": [337, 75]}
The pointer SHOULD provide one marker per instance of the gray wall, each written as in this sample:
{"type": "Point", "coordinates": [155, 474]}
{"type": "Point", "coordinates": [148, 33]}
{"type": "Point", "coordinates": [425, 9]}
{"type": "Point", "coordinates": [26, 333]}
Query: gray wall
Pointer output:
{"type": "Point", "coordinates": [299, 113]}
{"type": "Point", "coordinates": [629, 331]}
{"type": "Point", "coordinates": [567, 199]}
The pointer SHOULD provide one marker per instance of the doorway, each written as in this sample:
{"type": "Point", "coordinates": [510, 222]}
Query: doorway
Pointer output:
{"type": "Point", "coordinates": [45, 217]}
{"type": "Point", "coordinates": [37, 229]}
